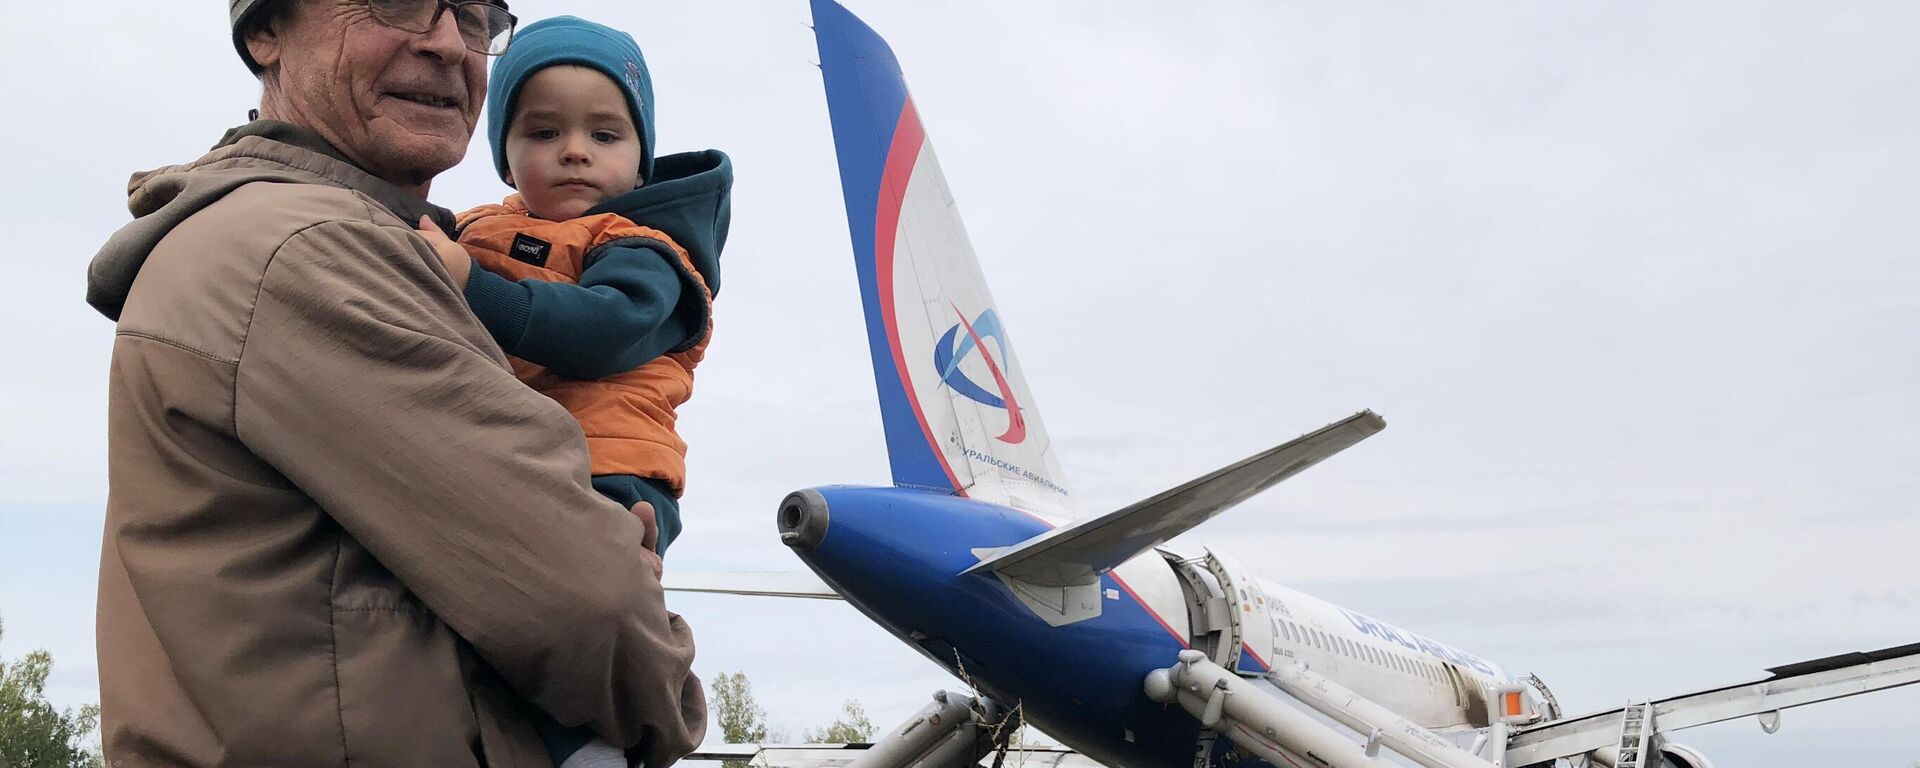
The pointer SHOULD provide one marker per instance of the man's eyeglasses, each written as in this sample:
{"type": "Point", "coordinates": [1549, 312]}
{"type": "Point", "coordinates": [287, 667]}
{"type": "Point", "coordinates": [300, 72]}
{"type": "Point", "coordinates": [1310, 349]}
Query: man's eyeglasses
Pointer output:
{"type": "Point", "coordinates": [485, 27]}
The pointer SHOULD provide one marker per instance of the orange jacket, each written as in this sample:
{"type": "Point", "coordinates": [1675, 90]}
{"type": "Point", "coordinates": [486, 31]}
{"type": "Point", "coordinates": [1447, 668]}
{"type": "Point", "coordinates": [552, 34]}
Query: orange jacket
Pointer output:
{"type": "Point", "coordinates": [628, 417]}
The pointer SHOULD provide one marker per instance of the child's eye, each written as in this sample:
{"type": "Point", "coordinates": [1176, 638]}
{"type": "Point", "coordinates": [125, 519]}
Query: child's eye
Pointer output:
{"type": "Point", "coordinates": [606, 137]}
{"type": "Point", "coordinates": [543, 134]}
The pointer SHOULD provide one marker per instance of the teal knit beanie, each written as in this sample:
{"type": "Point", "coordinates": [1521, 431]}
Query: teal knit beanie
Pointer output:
{"type": "Point", "coordinates": [569, 40]}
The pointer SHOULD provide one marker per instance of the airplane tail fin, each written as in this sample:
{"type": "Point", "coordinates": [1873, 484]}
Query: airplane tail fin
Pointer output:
{"type": "Point", "coordinates": [957, 411]}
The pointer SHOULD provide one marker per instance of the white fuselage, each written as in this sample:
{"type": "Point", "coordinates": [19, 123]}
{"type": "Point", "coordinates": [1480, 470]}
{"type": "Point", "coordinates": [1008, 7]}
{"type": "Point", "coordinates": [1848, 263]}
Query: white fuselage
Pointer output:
{"type": "Point", "coordinates": [1435, 685]}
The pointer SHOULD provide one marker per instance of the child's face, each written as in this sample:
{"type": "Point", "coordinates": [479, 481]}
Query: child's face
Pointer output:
{"type": "Point", "coordinates": [571, 143]}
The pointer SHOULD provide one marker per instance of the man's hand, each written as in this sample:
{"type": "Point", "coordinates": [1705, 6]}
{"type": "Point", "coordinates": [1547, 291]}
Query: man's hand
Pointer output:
{"type": "Point", "coordinates": [651, 540]}
{"type": "Point", "coordinates": [458, 262]}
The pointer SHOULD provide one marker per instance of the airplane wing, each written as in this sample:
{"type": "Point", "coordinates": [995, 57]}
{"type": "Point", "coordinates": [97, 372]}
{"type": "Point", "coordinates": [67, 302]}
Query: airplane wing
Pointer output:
{"type": "Point", "coordinates": [1793, 685]}
{"type": "Point", "coordinates": [757, 583]}
{"type": "Point", "coordinates": [1078, 553]}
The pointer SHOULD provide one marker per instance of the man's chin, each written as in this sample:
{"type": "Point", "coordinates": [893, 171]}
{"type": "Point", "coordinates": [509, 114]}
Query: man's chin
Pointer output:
{"type": "Point", "coordinates": [414, 158]}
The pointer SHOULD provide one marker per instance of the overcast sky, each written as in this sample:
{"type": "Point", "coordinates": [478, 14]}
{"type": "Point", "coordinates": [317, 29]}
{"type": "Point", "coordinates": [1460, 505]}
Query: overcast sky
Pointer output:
{"type": "Point", "coordinates": [1636, 286]}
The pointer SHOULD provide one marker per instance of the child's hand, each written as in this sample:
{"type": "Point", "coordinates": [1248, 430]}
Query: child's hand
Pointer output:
{"type": "Point", "coordinates": [459, 264]}
{"type": "Point", "coordinates": [650, 540]}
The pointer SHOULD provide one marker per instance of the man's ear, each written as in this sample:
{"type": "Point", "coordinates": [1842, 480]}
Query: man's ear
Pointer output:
{"type": "Point", "coordinates": [263, 43]}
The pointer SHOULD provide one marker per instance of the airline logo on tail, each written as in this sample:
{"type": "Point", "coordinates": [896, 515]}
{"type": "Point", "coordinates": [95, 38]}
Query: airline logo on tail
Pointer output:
{"type": "Point", "coordinates": [953, 350]}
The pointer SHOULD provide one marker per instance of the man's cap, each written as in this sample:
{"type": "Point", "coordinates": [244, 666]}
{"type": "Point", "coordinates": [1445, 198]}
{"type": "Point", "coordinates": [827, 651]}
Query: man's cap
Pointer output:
{"type": "Point", "coordinates": [570, 40]}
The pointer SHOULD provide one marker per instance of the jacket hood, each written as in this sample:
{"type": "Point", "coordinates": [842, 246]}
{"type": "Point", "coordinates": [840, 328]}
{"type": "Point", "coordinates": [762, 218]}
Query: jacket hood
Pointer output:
{"type": "Point", "coordinates": [263, 150]}
{"type": "Point", "coordinates": [691, 199]}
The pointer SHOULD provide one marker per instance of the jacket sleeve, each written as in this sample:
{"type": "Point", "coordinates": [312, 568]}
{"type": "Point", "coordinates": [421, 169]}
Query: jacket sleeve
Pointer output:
{"type": "Point", "coordinates": [631, 306]}
{"type": "Point", "coordinates": [365, 380]}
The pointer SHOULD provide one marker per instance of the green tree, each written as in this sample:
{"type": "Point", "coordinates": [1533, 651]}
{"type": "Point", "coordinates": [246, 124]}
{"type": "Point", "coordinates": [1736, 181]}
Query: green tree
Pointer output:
{"type": "Point", "coordinates": [741, 719]}
{"type": "Point", "coordinates": [852, 727]}
{"type": "Point", "coordinates": [32, 733]}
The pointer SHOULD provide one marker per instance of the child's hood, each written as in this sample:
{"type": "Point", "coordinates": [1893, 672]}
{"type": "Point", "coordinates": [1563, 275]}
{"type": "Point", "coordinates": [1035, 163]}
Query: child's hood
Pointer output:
{"type": "Point", "coordinates": [689, 197]}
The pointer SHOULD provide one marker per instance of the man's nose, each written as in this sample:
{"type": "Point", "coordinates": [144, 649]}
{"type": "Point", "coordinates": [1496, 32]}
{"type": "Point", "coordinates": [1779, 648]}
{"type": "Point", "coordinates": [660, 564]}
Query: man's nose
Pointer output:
{"type": "Point", "coordinates": [442, 41]}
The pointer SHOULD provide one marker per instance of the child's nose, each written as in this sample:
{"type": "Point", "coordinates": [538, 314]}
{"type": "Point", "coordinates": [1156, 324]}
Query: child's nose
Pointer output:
{"type": "Point", "coordinates": [575, 151]}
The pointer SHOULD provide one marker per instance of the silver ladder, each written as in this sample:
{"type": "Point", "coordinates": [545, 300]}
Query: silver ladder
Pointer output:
{"type": "Point", "coordinates": [1636, 737]}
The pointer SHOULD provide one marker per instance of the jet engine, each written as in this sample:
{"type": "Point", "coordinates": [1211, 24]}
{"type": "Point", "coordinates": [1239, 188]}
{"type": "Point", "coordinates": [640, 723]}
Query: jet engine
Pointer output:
{"type": "Point", "coordinates": [1672, 755]}
{"type": "Point", "coordinates": [1682, 756]}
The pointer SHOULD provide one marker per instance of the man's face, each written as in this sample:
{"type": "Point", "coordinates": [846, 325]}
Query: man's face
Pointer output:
{"type": "Point", "coordinates": [571, 143]}
{"type": "Point", "coordinates": [399, 104]}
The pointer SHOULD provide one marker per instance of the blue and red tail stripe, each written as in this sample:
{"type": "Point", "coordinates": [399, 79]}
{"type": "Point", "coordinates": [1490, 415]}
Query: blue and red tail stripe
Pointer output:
{"type": "Point", "coordinates": [878, 138]}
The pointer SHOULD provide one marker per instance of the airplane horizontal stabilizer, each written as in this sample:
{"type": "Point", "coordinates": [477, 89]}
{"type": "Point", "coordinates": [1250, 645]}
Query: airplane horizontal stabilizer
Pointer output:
{"type": "Point", "coordinates": [1079, 553]}
{"type": "Point", "coordinates": [756, 583]}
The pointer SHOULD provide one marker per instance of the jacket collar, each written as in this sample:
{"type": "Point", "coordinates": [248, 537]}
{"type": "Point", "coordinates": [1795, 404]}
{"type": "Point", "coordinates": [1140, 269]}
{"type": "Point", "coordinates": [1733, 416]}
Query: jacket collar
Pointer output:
{"type": "Point", "coordinates": [405, 205]}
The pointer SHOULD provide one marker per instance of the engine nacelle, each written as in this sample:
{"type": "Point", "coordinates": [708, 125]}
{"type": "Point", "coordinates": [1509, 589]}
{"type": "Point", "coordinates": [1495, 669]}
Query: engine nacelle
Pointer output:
{"type": "Point", "coordinates": [1683, 756]}
{"type": "Point", "coordinates": [1672, 755]}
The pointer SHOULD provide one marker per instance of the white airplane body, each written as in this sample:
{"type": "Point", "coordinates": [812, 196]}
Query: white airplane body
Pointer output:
{"type": "Point", "coordinates": [1124, 649]}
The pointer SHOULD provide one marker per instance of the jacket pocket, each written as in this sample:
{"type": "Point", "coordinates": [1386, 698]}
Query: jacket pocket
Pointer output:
{"type": "Point", "coordinates": [403, 697]}
{"type": "Point", "coordinates": [507, 735]}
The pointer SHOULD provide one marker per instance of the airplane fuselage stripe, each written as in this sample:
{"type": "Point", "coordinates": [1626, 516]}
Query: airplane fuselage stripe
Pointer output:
{"type": "Point", "coordinates": [1149, 608]}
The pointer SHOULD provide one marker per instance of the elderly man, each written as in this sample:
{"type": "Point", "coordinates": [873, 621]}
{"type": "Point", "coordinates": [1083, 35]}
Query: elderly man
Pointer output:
{"type": "Point", "coordinates": [339, 531]}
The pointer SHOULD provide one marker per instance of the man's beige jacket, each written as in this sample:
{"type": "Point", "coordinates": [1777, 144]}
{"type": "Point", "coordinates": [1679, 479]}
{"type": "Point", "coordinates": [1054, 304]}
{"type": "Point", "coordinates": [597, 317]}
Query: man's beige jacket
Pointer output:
{"type": "Point", "coordinates": [339, 532]}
